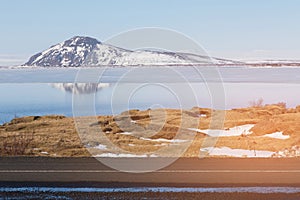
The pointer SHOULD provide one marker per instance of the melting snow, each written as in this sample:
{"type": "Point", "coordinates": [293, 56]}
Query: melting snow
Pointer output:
{"type": "Point", "coordinates": [125, 133]}
{"type": "Point", "coordinates": [101, 147]}
{"type": "Point", "coordinates": [123, 155]}
{"type": "Point", "coordinates": [235, 131]}
{"type": "Point", "coordinates": [226, 151]}
{"type": "Point", "coordinates": [163, 140]}
{"type": "Point", "coordinates": [277, 135]}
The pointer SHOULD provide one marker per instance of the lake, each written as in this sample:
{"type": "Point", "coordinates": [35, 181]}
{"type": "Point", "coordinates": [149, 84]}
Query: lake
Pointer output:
{"type": "Point", "coordinates": [114, 90]}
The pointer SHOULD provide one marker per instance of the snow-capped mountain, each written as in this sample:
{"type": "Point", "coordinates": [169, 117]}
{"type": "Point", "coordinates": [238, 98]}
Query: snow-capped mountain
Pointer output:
{"type": "Point", "coordinates": [71, 53]}
{"type": "Point", "coordinates": [86, 51]}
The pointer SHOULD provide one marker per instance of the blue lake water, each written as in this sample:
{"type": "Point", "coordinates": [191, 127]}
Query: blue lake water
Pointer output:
{"type": "Point", "coordinates": [47, 91]}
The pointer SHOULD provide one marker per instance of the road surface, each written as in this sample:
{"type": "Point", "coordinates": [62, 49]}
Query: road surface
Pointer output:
{"type": "Point", "coordinates": [183, 172]}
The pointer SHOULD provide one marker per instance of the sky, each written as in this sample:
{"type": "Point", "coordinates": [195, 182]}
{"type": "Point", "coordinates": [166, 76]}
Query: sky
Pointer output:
{"type": "Point", "coordinates": [233, 29]}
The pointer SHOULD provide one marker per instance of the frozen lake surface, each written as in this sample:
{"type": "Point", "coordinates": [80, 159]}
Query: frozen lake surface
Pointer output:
{"type": "Point", "coordinates": [193, 74]}
{"type": "Point", "coordinates": [114, 90]}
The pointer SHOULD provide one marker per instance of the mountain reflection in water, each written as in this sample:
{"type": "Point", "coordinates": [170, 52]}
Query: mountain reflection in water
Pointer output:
{"type": "Point", "coordinates": [80, 88]}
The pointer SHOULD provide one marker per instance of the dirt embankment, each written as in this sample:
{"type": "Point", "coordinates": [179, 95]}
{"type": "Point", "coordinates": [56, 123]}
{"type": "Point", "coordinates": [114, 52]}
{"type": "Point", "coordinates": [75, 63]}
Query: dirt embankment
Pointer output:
{"type": "Point", "coordinates": [148, 131]}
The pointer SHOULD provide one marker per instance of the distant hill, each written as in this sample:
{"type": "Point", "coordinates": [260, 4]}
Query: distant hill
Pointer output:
{"type": "Point", "coordinates": [86, 51]}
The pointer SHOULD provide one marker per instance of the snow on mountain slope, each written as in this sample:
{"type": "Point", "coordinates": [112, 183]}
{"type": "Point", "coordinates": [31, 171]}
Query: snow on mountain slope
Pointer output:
{"type": "Point", "coordinates": [107, 55]}
{"type": "Point", "coordinates": [104, 54]}
{"type": "Point", "coordinates": [86, 51]}
{"type": "Point", "coordinates": [71, 53]}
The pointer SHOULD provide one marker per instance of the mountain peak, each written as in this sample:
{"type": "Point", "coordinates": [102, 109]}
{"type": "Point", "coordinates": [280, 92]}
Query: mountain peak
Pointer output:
{"type": "Point", "coordinates": [70, 53]}
{"type": "Point", "coordinates": [81, 40]}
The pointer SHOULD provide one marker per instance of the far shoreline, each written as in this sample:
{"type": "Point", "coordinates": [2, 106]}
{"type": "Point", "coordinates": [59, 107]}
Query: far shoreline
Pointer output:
{"type": "Point", "coordinates": [279, 65]}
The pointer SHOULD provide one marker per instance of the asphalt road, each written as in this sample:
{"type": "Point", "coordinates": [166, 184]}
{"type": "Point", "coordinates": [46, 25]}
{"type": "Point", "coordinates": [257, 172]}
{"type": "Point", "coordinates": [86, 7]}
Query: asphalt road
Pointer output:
{"type": "Point", "coordinates": [183, 172]}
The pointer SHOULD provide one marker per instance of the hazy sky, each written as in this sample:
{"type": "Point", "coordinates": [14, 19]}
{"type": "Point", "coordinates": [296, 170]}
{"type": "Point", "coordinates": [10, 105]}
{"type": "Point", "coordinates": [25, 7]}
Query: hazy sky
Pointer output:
{"type": "Point", "coordinates": [235, 29]}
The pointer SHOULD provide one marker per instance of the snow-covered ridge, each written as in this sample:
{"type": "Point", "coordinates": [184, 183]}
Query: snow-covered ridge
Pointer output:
{"type": "Point", "coordinates": [85, 51]}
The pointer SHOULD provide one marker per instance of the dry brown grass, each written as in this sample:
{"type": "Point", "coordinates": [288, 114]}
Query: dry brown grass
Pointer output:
{"type": "Point", "coordinates": [55, 135]}
{"type": "Point", "coordinates": [58, 136]}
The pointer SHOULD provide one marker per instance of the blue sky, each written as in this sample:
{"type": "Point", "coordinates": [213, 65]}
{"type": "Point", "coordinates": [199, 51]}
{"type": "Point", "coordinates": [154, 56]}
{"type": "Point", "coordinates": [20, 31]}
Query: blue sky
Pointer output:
{"type": "Point", "coordinates": [236, 29]}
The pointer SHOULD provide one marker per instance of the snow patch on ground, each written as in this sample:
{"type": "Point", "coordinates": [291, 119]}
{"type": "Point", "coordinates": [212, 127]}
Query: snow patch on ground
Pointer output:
{"type": "Point", "coordinates": [277, 135]}
{"type": "Point", "coordinates": [235, 131]}
{"type": "Point", "coordinates": [101, 147]}
{"type": "Point", "coordinates": [292, 152]}
{"type": "Point", "coordinates": [125, 133]}
{"type": "Point", "coordinates": [226, 151]}
{"type": "Point", "coordinates": [163, 140]}
{"type": "Point", "coordinates": [124, 155]}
